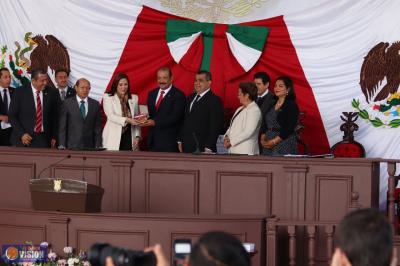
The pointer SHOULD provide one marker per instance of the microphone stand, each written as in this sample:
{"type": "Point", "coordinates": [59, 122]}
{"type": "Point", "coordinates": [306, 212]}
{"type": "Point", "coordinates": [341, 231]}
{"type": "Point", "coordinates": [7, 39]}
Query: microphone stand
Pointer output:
{"type": "Point", "coordinates": [52, 165]}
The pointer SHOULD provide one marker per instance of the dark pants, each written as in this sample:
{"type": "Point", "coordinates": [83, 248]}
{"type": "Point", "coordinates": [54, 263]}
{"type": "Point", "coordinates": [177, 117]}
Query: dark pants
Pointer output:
{"type": "Point", "coordinates": [39, 141]}
{"type": "Point", "coordinates": [5, 136]}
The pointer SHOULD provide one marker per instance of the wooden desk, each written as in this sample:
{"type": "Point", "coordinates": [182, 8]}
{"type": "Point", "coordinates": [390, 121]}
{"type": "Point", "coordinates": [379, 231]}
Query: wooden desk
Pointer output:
{"type": "Point", "coordinates": [146, 182]}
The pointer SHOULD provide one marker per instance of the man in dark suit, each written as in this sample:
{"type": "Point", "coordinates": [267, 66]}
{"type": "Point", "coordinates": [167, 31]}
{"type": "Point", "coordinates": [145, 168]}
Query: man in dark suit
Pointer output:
{"type": "Point", "coordinates": [166, 105]}
{"type": "Point", "coordinates": [80, 121]}
{"type": "Point", "coordinates": [33, 112]}
{"type": "Point", "coordinates": [5, 99]}
{"type": "Point", "coordinates": [203, 117]}
{"type": "Point", "coordinates": [64, 91]}
{"type": "Point", "coordinates": [265, 98]}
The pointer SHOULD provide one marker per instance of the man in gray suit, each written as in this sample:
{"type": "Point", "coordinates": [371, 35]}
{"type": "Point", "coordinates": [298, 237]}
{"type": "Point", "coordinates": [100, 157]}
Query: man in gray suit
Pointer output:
{"type": "Point", "coordinates": [80, 121]}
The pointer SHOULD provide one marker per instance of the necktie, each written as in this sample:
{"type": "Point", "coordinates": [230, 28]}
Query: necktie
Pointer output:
{"type": "Point", "coordinates": [38, 124]}
{"type": "Point", "coordinates": [82, 109]}
{"type": "Point", "coordinates": [195, 102]}
{"type": "Point", "coordinates": [63, 94]}
{"type": "Point", "coordinates": [5, 101]}
{"type": "Point", "coordinates": [259, 100]}
{"type": "Point", "coordinates": [160, 99]}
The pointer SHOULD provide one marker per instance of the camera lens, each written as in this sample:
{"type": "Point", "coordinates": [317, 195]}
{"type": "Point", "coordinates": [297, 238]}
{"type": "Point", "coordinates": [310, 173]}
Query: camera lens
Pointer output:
{"type": "Point", "coordinates": [121, 257]}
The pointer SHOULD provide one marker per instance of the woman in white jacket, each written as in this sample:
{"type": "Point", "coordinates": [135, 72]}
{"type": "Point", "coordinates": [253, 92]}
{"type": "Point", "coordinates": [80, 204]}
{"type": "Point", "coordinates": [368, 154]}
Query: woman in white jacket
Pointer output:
{"type": "Point", "coordinates": [242, 134]}
{"type": "Point", "coordinates": [121, 131]}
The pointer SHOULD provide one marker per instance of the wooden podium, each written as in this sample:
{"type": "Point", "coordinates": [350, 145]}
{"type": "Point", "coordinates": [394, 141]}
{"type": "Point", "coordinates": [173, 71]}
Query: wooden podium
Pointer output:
{"type": "Point", "coordinates": [65, 195]}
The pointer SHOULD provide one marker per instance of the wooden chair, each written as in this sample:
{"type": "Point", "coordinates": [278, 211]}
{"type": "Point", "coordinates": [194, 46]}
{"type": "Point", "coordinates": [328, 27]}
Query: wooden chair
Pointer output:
{"type": "Point", "coordinates": [348, 147]}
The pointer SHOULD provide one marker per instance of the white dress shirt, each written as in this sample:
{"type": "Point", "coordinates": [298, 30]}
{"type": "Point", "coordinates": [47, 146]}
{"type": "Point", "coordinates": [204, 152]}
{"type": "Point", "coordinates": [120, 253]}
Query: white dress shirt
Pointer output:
{"type": "Point", "coordinates": [86, 103]}
{"type": "Point", "coordinates": [262, 95]}
{"type": "Point", "coordinates": [165, 93]}
{"type": "Point", "coordinates": [41, 101]}
{"type": "Point", "coordinates": [65, 89]}
{"type": "Point", "coordinates": [201, 95]}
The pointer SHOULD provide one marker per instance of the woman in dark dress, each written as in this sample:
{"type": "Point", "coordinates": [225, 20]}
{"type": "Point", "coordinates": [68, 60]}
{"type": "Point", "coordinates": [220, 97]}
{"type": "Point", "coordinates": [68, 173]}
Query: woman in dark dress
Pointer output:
{"type": "Point", "coordinates": [278, 136]}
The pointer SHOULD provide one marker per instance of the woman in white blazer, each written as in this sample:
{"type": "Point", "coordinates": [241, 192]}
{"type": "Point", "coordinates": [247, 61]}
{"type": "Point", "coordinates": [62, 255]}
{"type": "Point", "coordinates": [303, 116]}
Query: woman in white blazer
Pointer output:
{"type": "Point", "coordinates": [121, 131]}
{"type": "Point", "coordinates": [242, 134]}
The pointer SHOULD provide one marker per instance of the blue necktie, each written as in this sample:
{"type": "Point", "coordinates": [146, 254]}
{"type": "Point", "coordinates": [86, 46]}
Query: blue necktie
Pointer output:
{"type": "Point", "coordinates": [82, 108]}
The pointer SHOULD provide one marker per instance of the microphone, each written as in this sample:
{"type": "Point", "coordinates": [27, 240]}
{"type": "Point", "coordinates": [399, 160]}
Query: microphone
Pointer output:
{"type": "Point", "coordinates": [197, 150]}
{"type": "Point", "coordinates": [53, 164]}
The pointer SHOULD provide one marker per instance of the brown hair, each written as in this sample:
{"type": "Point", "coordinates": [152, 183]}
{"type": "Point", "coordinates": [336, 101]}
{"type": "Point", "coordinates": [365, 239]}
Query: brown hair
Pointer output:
{"type": "Point", "coordinates": [249, 88]}
{"type": "Point", "coordinates": [115, 82]}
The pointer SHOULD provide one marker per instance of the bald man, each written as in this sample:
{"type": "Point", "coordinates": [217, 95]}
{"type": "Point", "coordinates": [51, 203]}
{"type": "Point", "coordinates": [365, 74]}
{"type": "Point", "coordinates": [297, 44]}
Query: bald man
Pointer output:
{"type": "Point", "coordinates": [80, 121]}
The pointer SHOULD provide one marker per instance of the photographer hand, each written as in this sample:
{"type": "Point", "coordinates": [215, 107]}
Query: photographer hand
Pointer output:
{"type": "Point", "coordinates": [160, 256]}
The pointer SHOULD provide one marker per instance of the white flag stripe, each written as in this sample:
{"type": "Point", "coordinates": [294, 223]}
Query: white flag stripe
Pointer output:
{"type": "Point", "coordinates": [245, 55]}
{"type": "Point", "coordinates": [331, 41]}
{"type": "Point", "coordinates": [179, 47]}
{"type": "Point", "coordinates": [94, 32]}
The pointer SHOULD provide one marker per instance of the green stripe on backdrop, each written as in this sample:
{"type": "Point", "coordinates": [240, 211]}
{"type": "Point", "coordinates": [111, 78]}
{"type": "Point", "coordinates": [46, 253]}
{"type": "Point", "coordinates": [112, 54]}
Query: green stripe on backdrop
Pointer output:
{"type": "Point", "coordinates": [177, 29]}
{"type": "Point", "coordinates": [252, 36]}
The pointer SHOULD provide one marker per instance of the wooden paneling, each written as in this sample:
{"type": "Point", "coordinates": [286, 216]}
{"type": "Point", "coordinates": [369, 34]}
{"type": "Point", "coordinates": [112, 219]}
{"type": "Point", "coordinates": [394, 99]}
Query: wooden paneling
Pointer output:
{"type": "Point", "coordinates": [133, 231]}
{"type": "Point", "coordinates": [253, 197]}
{"type": "Point", "coordinates": [14, 180]}
{"type": "Point", "coordinates": [172, 191]}
{"type": "Point", "coordinates": [330, 187]}
{"type": "Point", "coordinates": [138, 182]}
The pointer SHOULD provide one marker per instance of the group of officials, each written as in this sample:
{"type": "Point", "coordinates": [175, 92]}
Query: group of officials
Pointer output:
{"type": "Point", "coordinates": [36, 115]}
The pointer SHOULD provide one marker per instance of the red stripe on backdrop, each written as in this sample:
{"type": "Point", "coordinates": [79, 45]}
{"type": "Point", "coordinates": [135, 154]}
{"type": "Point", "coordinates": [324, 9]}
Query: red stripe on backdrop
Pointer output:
{"type": "Point", "coordinates": [146, 50]}
{"type": "Point", "coordinates": [279, 58]}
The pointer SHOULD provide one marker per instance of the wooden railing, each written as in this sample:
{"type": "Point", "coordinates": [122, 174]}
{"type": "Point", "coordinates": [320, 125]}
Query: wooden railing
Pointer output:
{"type": "Point", "coordinates": [299, 232]}
{"type": "Point", "coordinates": [304, 235]}
{"type": "Point", "coordinates": [392, 184]}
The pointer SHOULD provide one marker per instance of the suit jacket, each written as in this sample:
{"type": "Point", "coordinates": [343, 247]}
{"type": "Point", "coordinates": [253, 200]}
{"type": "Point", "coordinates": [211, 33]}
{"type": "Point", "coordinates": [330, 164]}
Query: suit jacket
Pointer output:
{"type": "Point", "coordinates": [244, 129]}
{"type": "Point", "coordinates": [266, 102]}
{"type": "Point", "coordinates": [70, 93]}
{"type": "Point", "coordinates": [22, 114]}
{"type": "Point", "coordinates": [2, 106]}
{"type": "Point", "coordinates": [168, 119]}
{"type": "Point", "coordinates": [115, 121]}
{"type": "Point", "coordinates": [204, 123]}
{"type": "Point", "coordinates": [76, 132]}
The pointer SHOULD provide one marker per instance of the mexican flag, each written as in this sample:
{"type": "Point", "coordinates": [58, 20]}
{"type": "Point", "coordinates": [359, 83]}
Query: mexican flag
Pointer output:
{"type": "Point", "coordinates": [342, 55]}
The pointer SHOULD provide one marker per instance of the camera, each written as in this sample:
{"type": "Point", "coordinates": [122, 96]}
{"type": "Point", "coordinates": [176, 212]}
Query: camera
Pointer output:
{"type": "Point", "coordinates": [181, 249]}
{"type": "Point", "coordinates": [99, 253]}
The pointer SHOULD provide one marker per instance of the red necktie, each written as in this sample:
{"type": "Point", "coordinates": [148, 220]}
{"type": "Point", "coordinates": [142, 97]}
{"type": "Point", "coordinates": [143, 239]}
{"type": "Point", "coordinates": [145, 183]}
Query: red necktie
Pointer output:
{"type": "Point", "coordinates": [160, 99]}
{"type": "Point", "coordinates": [38, 123]}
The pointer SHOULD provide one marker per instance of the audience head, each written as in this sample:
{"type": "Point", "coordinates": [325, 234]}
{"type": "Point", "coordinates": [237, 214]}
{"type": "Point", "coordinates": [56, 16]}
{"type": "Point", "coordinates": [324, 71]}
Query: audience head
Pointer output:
{"type": "Point", "coordinates": [120, 85]}
{"type": "Point", "coordinates": [61, 77]}
{"type": "Point", "coordinates": [39, 79]}
{"type": "Point", "coordinates": [82, 88]}
{"type": "Point", "coordinates": [364, 238]}
{"type": "Point", "coordinates": [247, 92]}
{"type": "Point", "coordinates": [217, 249]}
{"type": "Point", "coordinates": [164, 78]}
{"type": "Point", "coordinates": [5, 77]}
{"type": "Point", "coordinates": [284, 88]}
{"type": "Point", "coordinates": [202, 81]}
{"type": "Point", "coordinates": [261, 79]}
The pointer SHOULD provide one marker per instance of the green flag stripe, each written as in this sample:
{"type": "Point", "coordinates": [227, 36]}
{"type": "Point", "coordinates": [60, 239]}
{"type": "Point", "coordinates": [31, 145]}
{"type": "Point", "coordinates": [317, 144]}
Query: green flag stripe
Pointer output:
{"type": "Point", "coordinates": [177, 29]}
{"type": "Point", "coordinates": [207, 43]}
{"type": "Point", "coordinates": [252, 36]}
